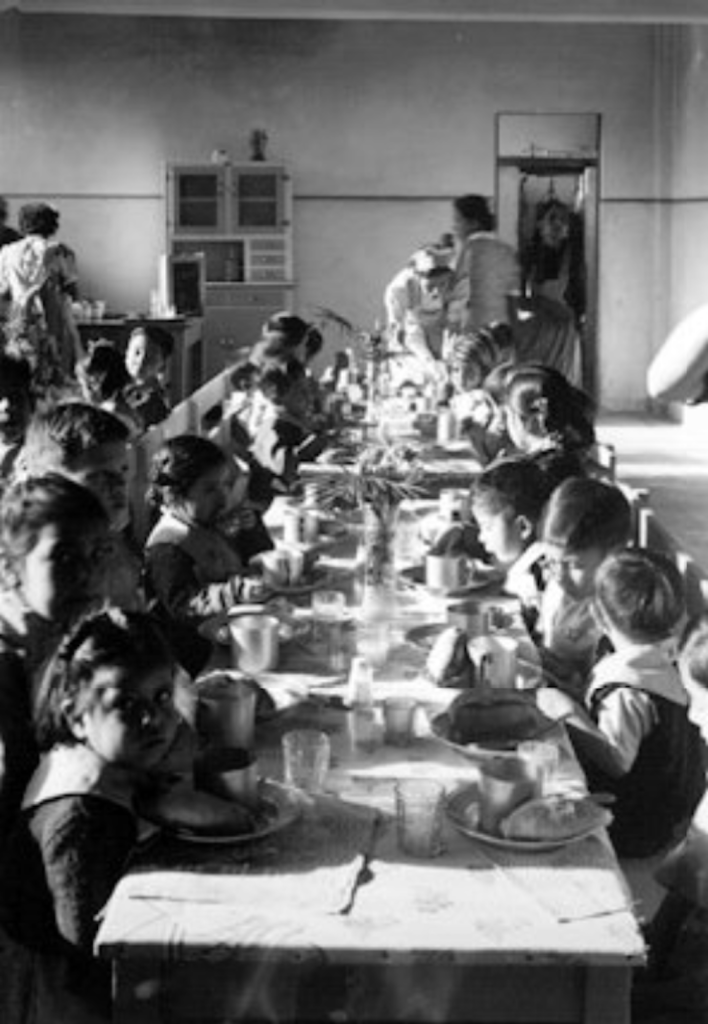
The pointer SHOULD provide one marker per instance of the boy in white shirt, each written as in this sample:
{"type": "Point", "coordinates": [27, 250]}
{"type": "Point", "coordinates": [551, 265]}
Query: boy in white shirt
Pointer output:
{"type": "Point", "coordinates": [584, 521]}
{"type": "Point", "coordinates": [632, 734]}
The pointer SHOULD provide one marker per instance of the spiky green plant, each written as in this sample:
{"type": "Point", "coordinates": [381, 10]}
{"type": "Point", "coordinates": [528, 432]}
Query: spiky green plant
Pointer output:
{"type": "Point", "coordinates": [383, 475]}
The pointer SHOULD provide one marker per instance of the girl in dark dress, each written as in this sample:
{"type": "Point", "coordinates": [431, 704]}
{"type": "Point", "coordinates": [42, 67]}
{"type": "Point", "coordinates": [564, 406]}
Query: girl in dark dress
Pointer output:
{"type": "Point", "coordinates": [107, 721]}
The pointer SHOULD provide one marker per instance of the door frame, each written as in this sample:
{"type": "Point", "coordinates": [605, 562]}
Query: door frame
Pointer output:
{"type": "Point", "coordinates": [559, 162]}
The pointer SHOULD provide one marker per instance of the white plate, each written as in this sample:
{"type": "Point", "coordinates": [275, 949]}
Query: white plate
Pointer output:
{"type": "Point", "coordinates": [286, 807]}
{"type": "Point", "coordinates": [455, 805]}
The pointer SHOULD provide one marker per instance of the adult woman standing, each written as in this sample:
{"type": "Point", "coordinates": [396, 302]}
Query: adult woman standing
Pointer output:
{"type": "Point", "coordinates": [548, 326]}
{"type": "Point", "coordinates": [415, 313]}
{"type": "Point", "coordinates": [486, 272]}
{"type": "Point", "coordinates": [40, 278]}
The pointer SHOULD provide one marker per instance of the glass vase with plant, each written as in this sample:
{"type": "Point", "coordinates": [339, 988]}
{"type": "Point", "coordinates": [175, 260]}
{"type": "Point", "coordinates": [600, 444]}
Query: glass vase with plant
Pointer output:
{"type": "Point", "coordinates": [383, 475]}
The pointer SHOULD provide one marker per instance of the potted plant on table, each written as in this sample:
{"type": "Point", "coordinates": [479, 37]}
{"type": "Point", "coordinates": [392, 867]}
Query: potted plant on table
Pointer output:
{"type": "Point", "coordinates": [383, 476]}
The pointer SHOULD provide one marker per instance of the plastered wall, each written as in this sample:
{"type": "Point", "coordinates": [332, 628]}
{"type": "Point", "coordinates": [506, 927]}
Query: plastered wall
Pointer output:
{"type": "Point", "coordinates": [381, 124]}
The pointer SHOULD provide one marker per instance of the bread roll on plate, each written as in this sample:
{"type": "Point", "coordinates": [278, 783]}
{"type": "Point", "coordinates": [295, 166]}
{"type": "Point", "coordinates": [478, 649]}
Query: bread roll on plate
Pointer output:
{"type": "Point", "coordinates": [555, 817]}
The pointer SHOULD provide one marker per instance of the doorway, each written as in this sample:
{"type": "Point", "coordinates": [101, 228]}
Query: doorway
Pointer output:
{"type": "Point", "coordinates": [547, 208]}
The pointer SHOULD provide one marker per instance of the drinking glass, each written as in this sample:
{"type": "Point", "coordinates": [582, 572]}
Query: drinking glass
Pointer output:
{"type": "Point", "coordinates": [543, 757]}
{"type": "Point", "coordinates": [399, 715]}
{"type": "Point", "coordinates": [328, 615]}
{"type": "Point", "coordinates": [254, 642]}
{"type": "Point", "coordinates": [306, 757]}
{"type": "Point", "coordinates": [419, 816]}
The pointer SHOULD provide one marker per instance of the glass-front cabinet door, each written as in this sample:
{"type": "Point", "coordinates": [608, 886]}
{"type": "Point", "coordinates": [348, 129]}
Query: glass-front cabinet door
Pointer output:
{"type": "Point", "coordinates": [199, 200]}
{"type": "Point", "coordinates": [257, 199]}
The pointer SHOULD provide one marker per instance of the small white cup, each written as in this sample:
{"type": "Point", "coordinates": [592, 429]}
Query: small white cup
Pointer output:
{"type": "Point", "coordinates": [306, 757]}
{"type": "Point", "coordinates": [544, 758]}
{"type": "Point", "coordinates": [501, 653]}
{"type": "Point", "coordinates": [419, 816]}
{"type": "Point", "coordinates": [254, 642]}
{"type": "Point", "coordinates": [295, 558]}
{"type": "Point", "coordinates": [447, 572]}
{"type": "Point", "coordinates": [447, 426]}
{"type": "Point", "coordinates": [226, 710]}
{"type": "Point", "coordinates": [230, 773]}
{"type": "Point", "coordinates": [399, 717]}
{"type": "Point", "coordinates": [470, 616]}
{"type": "Point", "coordinates": [293, 525]}
{"type": "Point", "coordinates": [275, 565]}
{"type": "Point", "coordinates": [504, 783]}
{"type": "Point", "coordinates": [452, 501]}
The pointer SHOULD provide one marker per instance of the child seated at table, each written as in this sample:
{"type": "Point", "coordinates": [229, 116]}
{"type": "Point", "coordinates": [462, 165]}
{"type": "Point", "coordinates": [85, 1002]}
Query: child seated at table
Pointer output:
{"type": "Point", "coordinates": [483, 421]}
{"type": "Point", "coordinates": [147, 354]}
{"type": "Point", "coordinates": [108, 724]}
{"type": "Point", "coordinates": [507, 501]}
{"type": "Point", "coordinates": [473, 358]}
{"type": "Point", "coordinates": [103, 380]}
{"type": "Point", "coordinates": [53, 535]}
{"type": "Point", "coordinates": [285, 436]}
{"type": "Point", "coordinates": [92, 446]}
{"type": "Point", "coordinates": [632, 734]}
{"type": "Point", "coordinates": [584, 521]}
{"type": "Point", "coordinates": [674, 987]}
{"type": "Point", "coordinates": [549, 420]}
{"type": "Point", "coordinates": [193, 570]}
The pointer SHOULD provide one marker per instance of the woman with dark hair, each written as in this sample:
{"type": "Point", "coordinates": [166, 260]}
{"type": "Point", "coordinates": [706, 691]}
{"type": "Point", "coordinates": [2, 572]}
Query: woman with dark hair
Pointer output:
{"type": "Point", "coordinates": [415, 313]}
{"type": "Point", "coordinates": [486, 272]}
{"type": "Point", "coordinates": [40, 280]}
{"type": "Point", "coordinates": [39, 219]}
{"type": "Point", "coordinates": [553, 302]}
{"type": "Point", "coordinates": [286, 338]}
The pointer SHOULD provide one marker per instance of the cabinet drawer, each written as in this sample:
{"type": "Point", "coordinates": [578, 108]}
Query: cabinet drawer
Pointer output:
{"type": "Point", "coordinates": [248, 298]}
{"type": "Point", "coordinates": [268, 260]}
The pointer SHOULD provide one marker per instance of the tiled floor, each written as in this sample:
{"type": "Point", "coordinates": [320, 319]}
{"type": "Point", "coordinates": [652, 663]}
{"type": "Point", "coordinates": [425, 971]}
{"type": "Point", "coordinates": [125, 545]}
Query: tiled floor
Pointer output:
{"type": "Point", "coordinates": [671, 461]}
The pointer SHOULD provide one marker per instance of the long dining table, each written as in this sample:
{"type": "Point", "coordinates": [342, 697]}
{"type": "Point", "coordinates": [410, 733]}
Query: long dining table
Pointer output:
{"type": "Point", "coordinates": [324, 918]}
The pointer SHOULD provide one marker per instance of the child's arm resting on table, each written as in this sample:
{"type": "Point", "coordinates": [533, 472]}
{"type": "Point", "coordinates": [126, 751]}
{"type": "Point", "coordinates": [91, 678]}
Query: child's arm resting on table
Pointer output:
{"type": "Point", "coordinates": [590, 739]}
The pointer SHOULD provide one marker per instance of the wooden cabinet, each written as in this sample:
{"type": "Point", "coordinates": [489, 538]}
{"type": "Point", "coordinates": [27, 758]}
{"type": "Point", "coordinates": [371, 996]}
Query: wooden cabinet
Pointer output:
{"type": "Point", "coordinates": [226, 199]}
{"type": "Point", "coordinates": [236, 314]}
{"type": "Point", "coordinates": [198, 200]}
{"type": "Point", "coordinates": [237, 217]}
